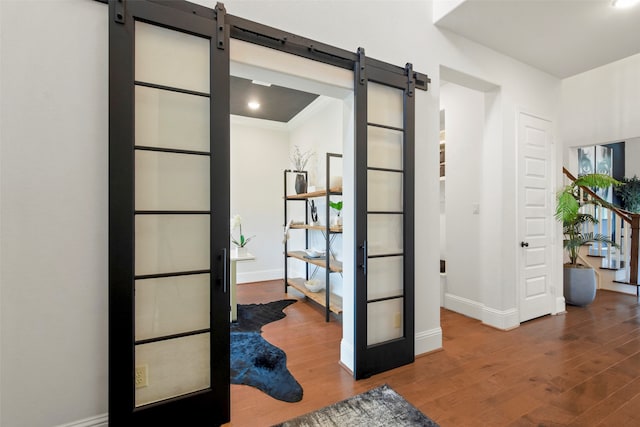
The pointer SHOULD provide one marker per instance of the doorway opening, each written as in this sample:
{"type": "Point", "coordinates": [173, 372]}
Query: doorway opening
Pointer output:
{"type": "Point", "coordinates": [462, 195]}
{"type": "Point", "coordinates": [296, 104]}
{"type": "Point", "coordinates": [477, 203]}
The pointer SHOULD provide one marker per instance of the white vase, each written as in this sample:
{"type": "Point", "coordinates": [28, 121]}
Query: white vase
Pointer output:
{"type": "Point", "coordinates": [337, 220]}
{"type": "Point", "coordinates": [240, 252]}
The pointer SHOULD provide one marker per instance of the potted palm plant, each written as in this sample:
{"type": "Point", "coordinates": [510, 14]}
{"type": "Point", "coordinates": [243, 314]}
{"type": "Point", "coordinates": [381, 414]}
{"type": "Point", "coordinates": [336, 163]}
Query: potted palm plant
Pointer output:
{"type": "Point", "coordinates": [579, 279]}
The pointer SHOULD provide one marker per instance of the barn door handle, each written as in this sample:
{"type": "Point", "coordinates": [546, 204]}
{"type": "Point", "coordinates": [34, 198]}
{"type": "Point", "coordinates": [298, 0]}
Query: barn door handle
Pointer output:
{"type": "Point", "coordinates": [364, 257]}
{"type": "Point", "coordinates": [524, 244]}
{"type": "Point", "coordinates": [224, 270]}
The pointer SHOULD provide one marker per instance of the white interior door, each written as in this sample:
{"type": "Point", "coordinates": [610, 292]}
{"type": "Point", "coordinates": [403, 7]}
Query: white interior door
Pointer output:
{"type": "Point", "coordinates": [535, 196]}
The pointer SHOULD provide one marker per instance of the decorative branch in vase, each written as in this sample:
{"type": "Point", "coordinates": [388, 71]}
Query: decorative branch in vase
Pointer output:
{"type": "Point", "coordinates": [242, 241]}
{"type": "Point", "coordinates": [299, 159]}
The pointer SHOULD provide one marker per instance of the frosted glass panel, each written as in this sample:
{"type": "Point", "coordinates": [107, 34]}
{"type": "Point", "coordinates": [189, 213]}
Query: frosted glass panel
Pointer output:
{"type": "Point", "coordinates": [171, 305]}
{"type": "Point", "coordinates": [171, 119]}
{"type": "Point", "coordinates": [171, 58]}
{"type": "Point", "coordinates": [384, 148]}
{"type": "Point", "coordinates": [385, 234]}
{"type": "Point", "coordinates": [385, 277]}
{"type": "Point", "coordinates": [385, 105]}
{"type": "Point", "coordinates": [174, 367]}
{"type": "Point", "coordinates": [171, 243]}
{"type": "Point", "coordinates": [384, 191]}
{"type": "Point", "coordinates": [384, 321]}
{"type": "Point", "coordinates": [169, 181]}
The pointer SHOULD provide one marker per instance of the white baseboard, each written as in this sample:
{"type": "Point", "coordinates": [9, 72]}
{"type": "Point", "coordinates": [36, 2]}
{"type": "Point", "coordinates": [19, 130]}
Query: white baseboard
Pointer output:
{"type": "Point", "coordinates": [464, 306]}
{"type": "Point", "coordinates": [427, 341]}
{"type": "Point", "coordinates": [501, 319]}
{"type": "Point", "coordinates": [618, 287]}
{"type": "Point", "coordinates": [561, 305]}
{"type": "Point", "coordinates": [347, 355]}
{"type": "Point", "coordinates": [97, 421]}
{"type": "Point", "coordinates": [259, 276]}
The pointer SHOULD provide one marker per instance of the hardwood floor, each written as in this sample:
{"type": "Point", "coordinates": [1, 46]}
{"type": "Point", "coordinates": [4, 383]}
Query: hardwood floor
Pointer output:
{"type": "Point", "coordinates": [579, 369]}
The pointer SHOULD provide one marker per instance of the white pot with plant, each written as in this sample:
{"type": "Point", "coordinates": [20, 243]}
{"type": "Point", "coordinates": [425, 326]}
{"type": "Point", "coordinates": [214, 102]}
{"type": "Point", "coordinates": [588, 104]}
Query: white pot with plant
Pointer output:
{"type": "Point", "coordinates": [242, 241]}
{"type": "Point", "coordinates": [337, 206]}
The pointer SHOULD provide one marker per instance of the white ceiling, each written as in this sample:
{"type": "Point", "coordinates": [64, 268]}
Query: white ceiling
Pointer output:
{"type": "Point", "coordinates": [561, 37]}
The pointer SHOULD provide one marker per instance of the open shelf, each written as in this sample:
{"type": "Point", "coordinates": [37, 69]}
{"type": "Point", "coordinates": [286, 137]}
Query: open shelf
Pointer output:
{"type": "Point", "coordinates": [332, 229]}
{"type": "Point", "coordinates": [335, 302]}
{"type": "Point", "coordinates": [319, 193]}
{"type": "Point", "coordinates": [335, 266]}
{"type": "Point", "coordinates": [331, 302]}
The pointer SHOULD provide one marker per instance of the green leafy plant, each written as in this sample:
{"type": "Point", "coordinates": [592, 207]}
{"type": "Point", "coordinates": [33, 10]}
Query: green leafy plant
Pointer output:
{"type": "Point", "coordinates": [241, 242]}
{"type": "Point", "coordinates": [629, 194]}
{"type": "Point", "coordinates": [573, 221]}
{"type": "Point", "coordinates": [337, 206]}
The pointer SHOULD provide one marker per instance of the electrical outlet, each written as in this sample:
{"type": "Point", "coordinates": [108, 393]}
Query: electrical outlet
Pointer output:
{"type": "Point", "coordinates": [397, 321]}
{"type": "Point", "coordinates": [142, 376]}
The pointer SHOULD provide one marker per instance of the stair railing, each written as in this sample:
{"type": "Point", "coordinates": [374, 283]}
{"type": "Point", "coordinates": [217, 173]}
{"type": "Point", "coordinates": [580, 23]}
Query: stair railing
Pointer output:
{"type": "Point", "coordinates": [619, 226]}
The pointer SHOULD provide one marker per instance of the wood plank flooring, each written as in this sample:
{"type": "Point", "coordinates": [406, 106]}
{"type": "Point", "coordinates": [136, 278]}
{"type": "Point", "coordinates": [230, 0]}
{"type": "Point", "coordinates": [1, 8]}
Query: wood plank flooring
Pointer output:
{"type": "Point", "coordinates": [578, 369]}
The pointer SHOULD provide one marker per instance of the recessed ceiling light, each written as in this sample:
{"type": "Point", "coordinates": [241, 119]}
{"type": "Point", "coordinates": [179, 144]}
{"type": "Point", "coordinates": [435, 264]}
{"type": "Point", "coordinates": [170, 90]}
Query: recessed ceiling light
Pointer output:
{"type": "Point", "coordinates": [623, 4]}
{"type": "Point", "coordinates": [254, 105]}
{"type": "Point", "coordinates": [258, 82]}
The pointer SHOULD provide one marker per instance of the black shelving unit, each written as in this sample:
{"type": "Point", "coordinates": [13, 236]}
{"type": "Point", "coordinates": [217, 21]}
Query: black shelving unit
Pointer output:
{"type": "Point", "coordinates": [331, 302]}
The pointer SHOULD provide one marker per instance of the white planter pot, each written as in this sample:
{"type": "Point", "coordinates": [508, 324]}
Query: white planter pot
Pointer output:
{"type": "Point", "coordinates": [240, 252]}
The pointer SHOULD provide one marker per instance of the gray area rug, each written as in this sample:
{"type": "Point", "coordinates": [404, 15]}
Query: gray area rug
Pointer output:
{"type": "Point", "coordinates": [376, 408]}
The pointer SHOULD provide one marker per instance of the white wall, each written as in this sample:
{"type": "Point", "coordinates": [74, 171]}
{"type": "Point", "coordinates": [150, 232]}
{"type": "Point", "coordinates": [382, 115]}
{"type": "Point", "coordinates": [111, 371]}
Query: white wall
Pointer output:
{"type": "Point", "coordinates": [319, 128]}
{"type": "Point", "coordinates": [632, 157]}
{"type": "Point", "coordinates": [259, 154]}
{"type": "Point", "coordinates": [53, 195]}
{"type": "Point", "coordinates": [53, 179]}
{"type": "Point", "coordinates": [442, 8]}
{"type": "Point", "coordinates": [508, 86]}
{"type": "Point", "coordinates": [464, 111]}
{"type": "Point", "coordinates": [601, 106]}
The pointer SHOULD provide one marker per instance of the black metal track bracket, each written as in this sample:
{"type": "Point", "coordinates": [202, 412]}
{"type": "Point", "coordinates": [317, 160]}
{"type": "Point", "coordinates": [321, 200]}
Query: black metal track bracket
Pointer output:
{"type": "Point", "coordinates": [411, 79]}
{"type": "Point", "coordinates": [220, 14]}
{"type": "Point", "coordinates": [361, 65]}
{"type": "Point", "coordinates": [119, 11]}
{"type": "Point", "coordinates": [422, 81]}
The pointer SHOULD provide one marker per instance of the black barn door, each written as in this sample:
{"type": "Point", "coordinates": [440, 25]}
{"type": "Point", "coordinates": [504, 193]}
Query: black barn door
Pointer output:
{"type": "Point", "coordinates": [384, 187]}
{"type": "Point", "coordinates": [168, 214]}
